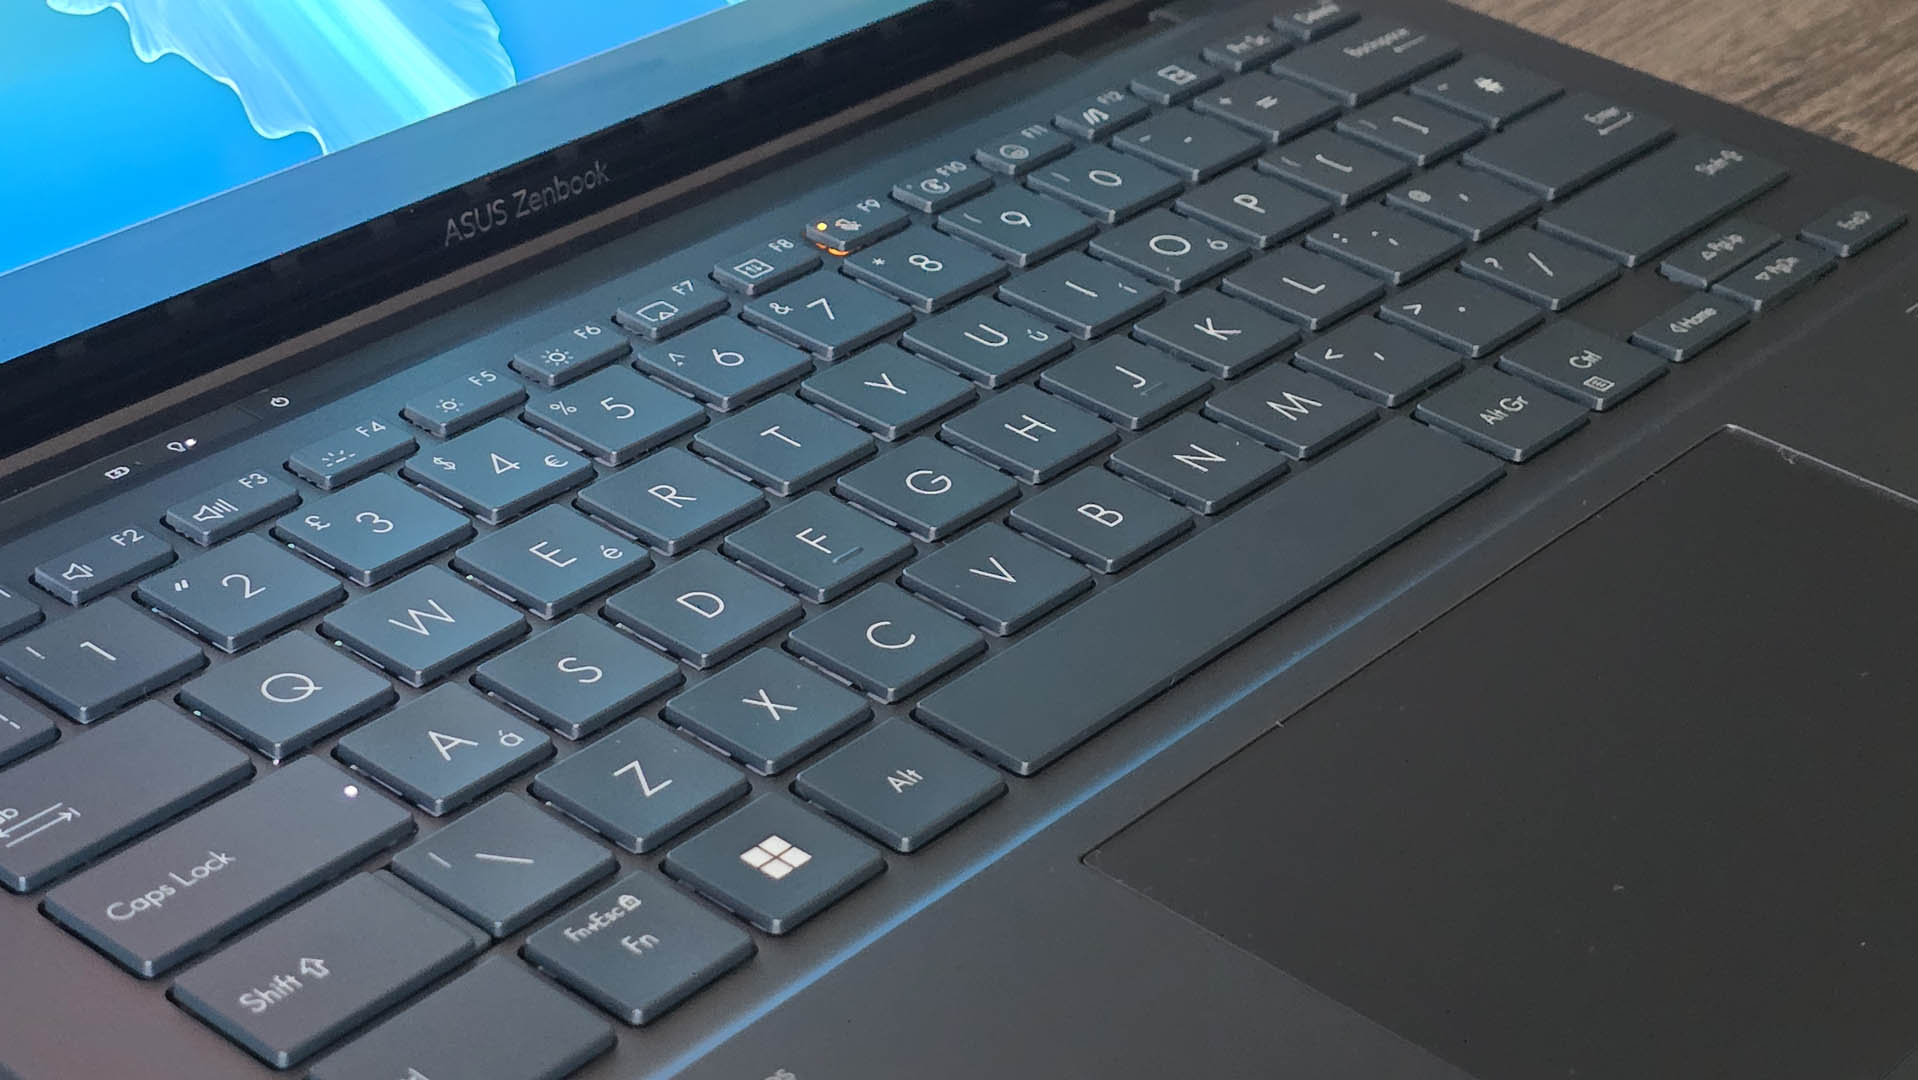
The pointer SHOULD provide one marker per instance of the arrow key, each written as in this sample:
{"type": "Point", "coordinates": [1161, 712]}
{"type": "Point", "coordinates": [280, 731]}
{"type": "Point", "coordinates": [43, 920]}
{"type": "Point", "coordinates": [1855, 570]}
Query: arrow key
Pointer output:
{"type": "Point", "coordinates": [499, 471]}
{"type": "Point", "coordinates": [640, 786]}
{"type": "Point", "coordinates": [504, 864]}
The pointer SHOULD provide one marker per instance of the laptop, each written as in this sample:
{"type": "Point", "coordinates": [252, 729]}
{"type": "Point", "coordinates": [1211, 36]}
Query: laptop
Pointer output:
{"type": "Point", "coordinates": [875, 539]}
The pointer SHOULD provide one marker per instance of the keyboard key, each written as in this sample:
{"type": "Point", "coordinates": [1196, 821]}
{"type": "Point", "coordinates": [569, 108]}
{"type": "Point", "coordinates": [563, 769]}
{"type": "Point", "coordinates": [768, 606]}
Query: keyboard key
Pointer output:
{"type": "Point", "coordinates": [1501, 415]}
{"type": "Point", "coordinates": [1174, 82]}
{"type": "Point", "coordinates": [672, 500]}
{"type": "Point", "coordinates": [1702, 260]}
{"type": "Point", "coordinates": [1487, 89]}
{"type": "Point", "coordinates": [464, 403]}
{"type": "Point", "coordinates": [438, 1036]}
{"type": "Point", "coordinates": [617, 416]}
{"type": "Point", "coordinates": [1366, 61]}
{"type": "Point", "coordinates": [552, 561]}
{"type": "Point", "coordinates": [1254, 207]}
{"type": "Point", "coordinates": [94, 792]}
{"type": "Point", "coordinates": [1308, 288]}
{"type": "Point", "coordinates": [241, 593]}
{"type": "Point", "coordinates": [1016, 225]}
{"type": "Point", "coordinates": [661, 310]}
{"type": "Point", "coordinates": [819, 547]}
{"type": "Point", "coordinates": [988, 342]}
{"type": "Point", "coordinates": [765, 267]}
{"type": "Point", "coordinates": [295, 986]}
{"type": "Point", "coordinates": [996, 579]}
{"type": "Point", "coordinates": [504, 864]}
{"type": "Point", "coordinates": [578, 677]}
{"type": "Point", "coordinates": [1334, 166]}
{"type": "Point", "coordinates": [1170, 250]}
{"type": "Point", "coordinates": [17, 614]}
{"type": "Point", "coordinates": [1415, 131]}
{"type": "Point", "coordinates": [1272, 109]}
{"type": "Point", "coordinates": [774, 863]}
{"type": "Point", "coordinates": [1652, 204]}
{"type": "Point", "coordinates": [1100, 520]}
{"type": "Point", "coordinates": [1574, 361]}
{"type": "Point", "coordinates": [784, 444]}
{"type": "Point", "coordinates": [1083, 295]}
{"type": "Point", "coordinates": [942, 186]}
{"type": "Point", "coordinates": [1777, 275]}
{"type": "Point", "coordinates": [1248, 49]}
{"type": "Point", "coordinates": [424, 625]}
{"type": "Point", "coordinates": [287, 695]}
{"type": "Point", "coordinates": [1201, 465]}
{"type": "Point", "coordinates": [768, 711]}
{"type": "Point", "coordinates": [374, 529]}
{"type": "Point", "coordinates": [232, 508]}
{"type": "Point", "coordinates": [887, 391]}
{"type": "Point", "coordinates": [900, 785]}
{"type": "Point", "coordinates": [1030, 703]}
{"type": "Point", "coordinates": [498, 471]}
{"type": "Point", "coordinates": [24, 728]}
{"type": "Point", "coordinates": [1693, 325]}
{"type": "Point", "coordinates": [669, 948]}
{"type": "Point", "coordinates": [1385, 242]}
{"type": "Point", "coordinates": [1102, 114]}
{"type": "Point", "coordinates": [724, 363]}
{"type": "Point", "coordinates": [445, 748]}
{"type": "Point", "coordinates": [703, 609]}
{"type": "Point", "coordinates": [1568, 144]}
{"type": "Point", "coordinates": [1194, 147]}
{"type": "Point", "coordinates": [352, 454]}
{"type": "Point", "coordinates": [98, 659]}
{"type": "Point", "coordinates": [101, 566]}
{"type": "Point", "coordinates": [201, 880]}
{"type": "Point", "coordinates": [640, 786]}
{"type": "Point", "coordinates": [1019, 152]}
{"type": "Point", "coordinates": [886, 642]}
{"type": "Point", "coordinates": [857, 225]}
{"type": "Point", "coordinates": [1383, 362]}
{"type": "Point", "coordinates": [571, 354]}
{"type": "Point", "coordinates": [1315, 20]}
{"type": "Point", "coordinates": [1853, 225]}
{"type": "Point", "coordinates": [925, 269]}
{"type": "Point", "coordinates": [1223, 336]}
{"type": "Point", "coordinates": [1549, 273]}
{"type": "Point", "coordinates": [1299, 414]}
{"type": "Point", "coordinates": [1461, 314]}
{"type": "Point", "coordinates": [828, 315]}
{"type": "Point", "coordinates": [1128, 383]}
{"type": "Point", "coordinates": [1104, 183]}
{"type": "Point", "coordinates": [1464, 201]}
{"type": "Point", "coordinates": [1032, 435]}
{"type": "Point", "coordinates": [928, 489]}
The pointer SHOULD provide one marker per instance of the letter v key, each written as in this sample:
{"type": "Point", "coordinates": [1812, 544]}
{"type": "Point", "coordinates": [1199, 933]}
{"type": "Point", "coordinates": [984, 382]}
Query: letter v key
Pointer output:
{"type": "Point", "coordinates": [646, 790]}
{"type": "Point", "coordinates": [1002, 575]}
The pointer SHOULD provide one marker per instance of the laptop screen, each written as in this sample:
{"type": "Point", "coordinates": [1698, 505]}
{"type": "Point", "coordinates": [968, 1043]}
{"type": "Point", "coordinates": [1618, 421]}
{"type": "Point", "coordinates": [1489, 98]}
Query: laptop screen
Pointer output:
{"type": "Point", "coordinates": [152, 146]}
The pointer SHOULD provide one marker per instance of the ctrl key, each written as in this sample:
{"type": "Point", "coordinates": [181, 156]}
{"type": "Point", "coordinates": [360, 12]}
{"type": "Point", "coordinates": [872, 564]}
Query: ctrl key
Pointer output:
{"type": "Point", "coordinates": [639, 948]}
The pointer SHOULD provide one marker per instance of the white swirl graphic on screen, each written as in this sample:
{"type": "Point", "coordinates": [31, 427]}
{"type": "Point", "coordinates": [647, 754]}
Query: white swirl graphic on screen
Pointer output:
{"type": "Point", "coordinates": [342, 71]}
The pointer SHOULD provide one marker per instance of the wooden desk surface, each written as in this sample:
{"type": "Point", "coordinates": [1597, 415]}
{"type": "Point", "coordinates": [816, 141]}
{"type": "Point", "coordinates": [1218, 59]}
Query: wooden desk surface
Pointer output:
{"type": "Point", "coordinates": [1846, 69]}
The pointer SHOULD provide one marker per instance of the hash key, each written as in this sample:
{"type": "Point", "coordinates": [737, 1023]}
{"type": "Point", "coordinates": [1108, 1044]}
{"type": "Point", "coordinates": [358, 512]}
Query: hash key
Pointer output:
{"type": "Point", "coordinates": [828, 315]}
{"type": "Point", "coordinates": [1104, 183]}
{"type": "Point", "coordinates": [768, 711]}
{"type": "Point", "coordinates": [498, 471]}
{"type": "Point", "coordinates": [352, 454]}
{"type": "Point", "coordinates": [887, 391]}
{"type": "Point", "coordinates": [925, 269]}
{"type": "Point", "coordinates": [444, 749]}
{"type": "Point", "coordinates": [900, 784]}
{"type": "Point", "coordinates": [1487, 89]}
{"type": "Point", "coordinates": [1101, 520]}
{"type": "Point", "coordinates": [1016, 225]}
{"type": "Point", "coordinates": [101, 657]}
{"type": "Point", "coordinates": [819, 547]}
{"type": "Point", "coordinates": [464, 403]}
{"type": "Point", "coordinates": [97, 568]}
{"type": "Point", "coordinates": [424, 625]}
{"type": "Point", "coordinates": [287, 694]}
{"type": "Point", "coordinates": [996, 579]}
{"type": "Point", "coordinates": [374, 529]}
{"type": "Point", "coordinates": [232, 508]}
{"type": "Point", "coordinates": [1170, 250]}
{"type": "Point", "coordinates": [552, 560]}
{"type": "Point", "coordinates": [1223, 336]}
{"type": "Point", "coordinates": [241, 592]}
{"type": "Point", "coordinates": [928, 488]}
{"type": "Point", "coordinates": [616, 415]}
{"type": "Point", "coordinates": [1199, 464]}
{"type": "Point", "coordinates": [1501, 415]}
{"type": "Point", "coordinates": [504, 864]}
{"type": "Point", "coordinates": [640, 785]}
{"type": "Point", "coordinates": [724, 363]}
{"type": "Point", "coordinates": [570, 354]}
{"type": "Point", "coordinates": [784, 444]}
{"type": "Point", "coordinates": [578, 677]}
{"type": "Point", "coordinates": [1301, 415]}
{"type": "Point", "coordinates": [886, 642]}
{"type": "Point", "coordinates": [1127, 383]}
{"type": "Point", "coordinates": [703, 609]}
{"type": "Point", "coordinates": [1085, 296]}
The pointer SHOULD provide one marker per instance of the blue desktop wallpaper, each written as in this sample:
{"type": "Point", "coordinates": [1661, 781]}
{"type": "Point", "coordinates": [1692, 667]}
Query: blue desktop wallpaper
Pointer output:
{"type": "Point", "coordinates": [116, 111]}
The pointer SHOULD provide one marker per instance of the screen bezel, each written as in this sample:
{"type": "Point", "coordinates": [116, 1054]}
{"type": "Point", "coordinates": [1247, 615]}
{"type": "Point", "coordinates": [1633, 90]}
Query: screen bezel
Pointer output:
{"type": "Point", "coordinates": [104, 369]}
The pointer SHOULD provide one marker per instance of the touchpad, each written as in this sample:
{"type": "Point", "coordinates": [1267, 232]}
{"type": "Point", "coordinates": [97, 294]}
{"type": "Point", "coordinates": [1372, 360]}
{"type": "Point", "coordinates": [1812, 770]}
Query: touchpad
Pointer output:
{"type": "Point", "coordinates": [1646, 806]}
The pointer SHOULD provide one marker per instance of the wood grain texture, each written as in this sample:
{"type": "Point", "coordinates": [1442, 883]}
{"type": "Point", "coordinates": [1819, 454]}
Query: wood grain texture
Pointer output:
{"type": "Point", "coordinates": [1846, 69]}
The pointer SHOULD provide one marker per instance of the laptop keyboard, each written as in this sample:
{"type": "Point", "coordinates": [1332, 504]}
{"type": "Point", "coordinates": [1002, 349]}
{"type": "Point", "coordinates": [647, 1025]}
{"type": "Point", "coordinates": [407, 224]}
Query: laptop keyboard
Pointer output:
{"type": "Point", "coordinates": [1098, 401]}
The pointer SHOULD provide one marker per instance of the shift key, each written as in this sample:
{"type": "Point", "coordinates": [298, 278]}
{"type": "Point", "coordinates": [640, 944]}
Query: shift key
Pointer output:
{"type": "Point", "coordinates": [1651, 205]}
{"type": "Point", "coordinates": [102, 788]}
{"type": "Point", "coordinates": [197, 882]}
